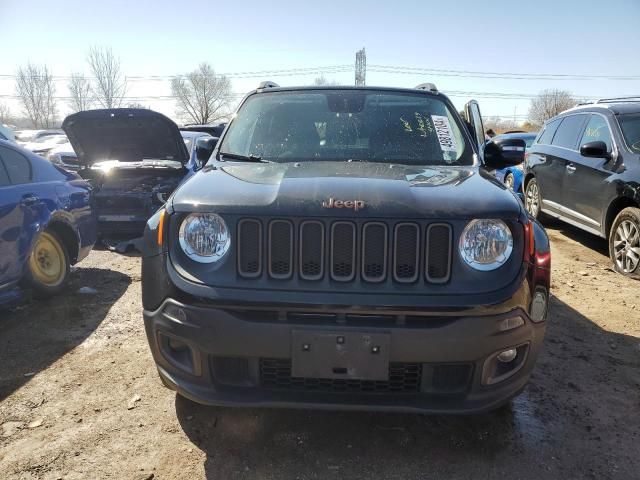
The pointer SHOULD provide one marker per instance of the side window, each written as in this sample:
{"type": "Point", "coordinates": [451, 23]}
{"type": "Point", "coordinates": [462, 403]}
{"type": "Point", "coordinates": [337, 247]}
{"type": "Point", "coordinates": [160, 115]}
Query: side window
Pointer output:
{"type": "Point", "coordinates": [567, 134]}
{"type": "Point", "coordinates": [597, 130]}
{"type": "Point", "coordinates": [547, 133]}
{"type": "Point", "coordinates": [4, 177]}
{"type": "Point", "coordinates": [17, 166]}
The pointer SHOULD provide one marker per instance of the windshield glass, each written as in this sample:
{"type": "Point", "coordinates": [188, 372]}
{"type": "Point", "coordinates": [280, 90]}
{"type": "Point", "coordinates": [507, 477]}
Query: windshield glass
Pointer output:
{"type": "Point", "coordinates": [188, 142]}
{"type": "Point", "coordinates": [341, 125]}
{"type": "Point", "coordinates": [631, 130]}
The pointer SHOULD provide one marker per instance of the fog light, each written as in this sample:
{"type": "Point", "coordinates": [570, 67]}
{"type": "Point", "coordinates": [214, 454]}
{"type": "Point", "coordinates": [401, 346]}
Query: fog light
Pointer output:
{"type": "Point", "coordinates": [539, 306]}
{"type": "Point", "coordinates": [511, 323]}
{"type": "Point", "coordinates": [507, 356]}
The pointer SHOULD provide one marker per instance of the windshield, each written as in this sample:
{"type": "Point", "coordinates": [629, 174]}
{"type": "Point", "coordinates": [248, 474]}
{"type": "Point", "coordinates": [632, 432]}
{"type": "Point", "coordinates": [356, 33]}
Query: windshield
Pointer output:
{"type": "Point", "coordinates": [188, 141]}
{"type": "Point", "coordinates": [631, 130]}
{"type": "Point", "coordinates": [342, 125]}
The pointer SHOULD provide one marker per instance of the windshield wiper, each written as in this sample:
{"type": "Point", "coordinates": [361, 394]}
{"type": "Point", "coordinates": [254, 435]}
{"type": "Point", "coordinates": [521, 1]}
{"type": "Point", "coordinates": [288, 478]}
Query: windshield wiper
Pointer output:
{"type": "Point", "coordinates": [242, 158]}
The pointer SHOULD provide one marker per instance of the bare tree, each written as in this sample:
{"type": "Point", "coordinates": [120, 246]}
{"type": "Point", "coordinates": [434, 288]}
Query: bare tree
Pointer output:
{"type": "Point", "coordinates": [109, 84]}
{"type": "Point", "coordinates": [550, 103]}
{"type": "Point", "coordinates": [5, 113]}
{"type": "Point", "coordinates": [79, 93]}
{"type": "Point", "coordinates": [202, 96]}
{"type": "Point", "coordinates": [322, 81]}
{"type": "Point", "coordinates": [136, 105]}
{"type": "Point", "coordinates": [36, 88]}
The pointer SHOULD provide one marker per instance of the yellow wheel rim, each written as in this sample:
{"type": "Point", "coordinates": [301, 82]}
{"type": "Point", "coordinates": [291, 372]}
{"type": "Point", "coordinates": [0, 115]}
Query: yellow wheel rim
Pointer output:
{"type": "Point", "coordinates": [48, 261]}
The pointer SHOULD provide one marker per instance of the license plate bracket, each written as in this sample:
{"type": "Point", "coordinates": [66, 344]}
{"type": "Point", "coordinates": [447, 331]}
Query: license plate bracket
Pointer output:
{"type": "Point", "coordinates": [340, 355]}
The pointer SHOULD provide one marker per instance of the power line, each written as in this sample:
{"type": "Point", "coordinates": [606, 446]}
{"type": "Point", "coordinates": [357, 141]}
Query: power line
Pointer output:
{"type": "Point", "coordinates": [248, 74]}
{"type": "Point", "coordinates": [504, 75]}
{"type": "Point", "coordinates": [392, 69]}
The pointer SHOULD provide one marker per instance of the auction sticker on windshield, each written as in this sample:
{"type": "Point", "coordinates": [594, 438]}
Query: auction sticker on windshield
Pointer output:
{"type": "Point", "coordinates": [443, 131]}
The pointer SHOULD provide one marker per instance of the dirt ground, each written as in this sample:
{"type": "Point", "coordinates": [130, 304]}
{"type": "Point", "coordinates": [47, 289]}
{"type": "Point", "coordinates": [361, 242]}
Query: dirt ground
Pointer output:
{"type": "Point", "coordinates": [80, 398]}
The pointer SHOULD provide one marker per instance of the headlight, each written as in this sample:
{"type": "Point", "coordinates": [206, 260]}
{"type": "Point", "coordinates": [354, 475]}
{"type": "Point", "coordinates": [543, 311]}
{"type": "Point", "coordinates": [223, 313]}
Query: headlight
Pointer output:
{"type": "Point", "coordinates": [486, 244]}
{"type": "Point", "coordinates": [55, 158]}
{"type": "Point", "coordinates": [204, 237]}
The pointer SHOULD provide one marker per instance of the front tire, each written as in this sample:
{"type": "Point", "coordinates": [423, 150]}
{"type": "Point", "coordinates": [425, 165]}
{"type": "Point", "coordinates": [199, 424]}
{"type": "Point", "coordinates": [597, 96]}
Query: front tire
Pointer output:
{"type": "Point", "coordinates": [532, 198]}
{"type": "Point", "coordinates": [49, 267]}
{"type": "Point", "coordinates": [624, 242]}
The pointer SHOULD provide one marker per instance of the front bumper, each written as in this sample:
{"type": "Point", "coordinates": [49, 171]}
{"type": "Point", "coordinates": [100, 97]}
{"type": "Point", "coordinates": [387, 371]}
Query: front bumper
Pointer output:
{"type": "Point", "coordinates": [231, 355]}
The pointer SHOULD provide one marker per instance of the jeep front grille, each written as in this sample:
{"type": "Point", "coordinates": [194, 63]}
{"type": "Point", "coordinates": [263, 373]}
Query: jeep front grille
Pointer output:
{"type": "Point", "coordinates": [344, 251]}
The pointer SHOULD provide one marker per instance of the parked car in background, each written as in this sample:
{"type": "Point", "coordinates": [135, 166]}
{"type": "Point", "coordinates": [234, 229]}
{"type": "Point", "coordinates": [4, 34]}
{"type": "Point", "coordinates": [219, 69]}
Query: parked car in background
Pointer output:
{"type": "Point", "coordinates": [134, 159]}
{"type": "Point", "coordinates": [6, 133]}
{"type": "Point", "coordinates": [43, 144]}
{"type": "Point", "coordinates": [584, 168]}
{"type": "Point", "coordinates": [512, 176]}
{"type": "Point", "coordinates": [213, 130]}
{"type": "Point", "coordinates": [25, 136]}
{"type": "Point", "coordinates": [46, 223]}
{"type": "Point", "coordinates": [64, 156]}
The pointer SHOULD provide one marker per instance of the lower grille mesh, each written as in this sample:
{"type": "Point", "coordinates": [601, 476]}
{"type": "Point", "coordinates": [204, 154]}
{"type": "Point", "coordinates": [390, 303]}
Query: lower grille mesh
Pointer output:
{"type": "Point", "coordinates": [275, 373]}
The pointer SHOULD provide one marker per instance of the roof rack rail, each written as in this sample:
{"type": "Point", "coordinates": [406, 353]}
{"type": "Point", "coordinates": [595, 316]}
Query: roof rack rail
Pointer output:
{"type": "Point", "coordinates": [427, 86]}
{"type": "Point", "coordinates": [631, 98]}
{"type": "Point", "coordinates": [268, 84]}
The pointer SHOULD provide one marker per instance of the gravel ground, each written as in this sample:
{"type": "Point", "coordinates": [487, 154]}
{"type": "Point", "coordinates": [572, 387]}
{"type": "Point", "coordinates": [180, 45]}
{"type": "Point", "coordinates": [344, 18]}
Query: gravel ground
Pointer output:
{"type": "Point", "coordinates": [80, 398]}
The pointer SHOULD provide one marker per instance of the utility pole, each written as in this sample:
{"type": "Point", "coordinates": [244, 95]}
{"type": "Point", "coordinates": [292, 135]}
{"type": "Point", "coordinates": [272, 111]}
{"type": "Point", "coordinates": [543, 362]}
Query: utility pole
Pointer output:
{"type": "Point", "coordinates": [361, 68]}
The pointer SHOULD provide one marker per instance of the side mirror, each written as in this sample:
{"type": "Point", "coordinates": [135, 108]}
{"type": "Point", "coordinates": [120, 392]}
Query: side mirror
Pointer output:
{"type": "Point", "coordinates": [204, 149]}
{"type": "Point", "coordinates": [507, 153]}
{"type": "Point", "coordinates": [597, 149]}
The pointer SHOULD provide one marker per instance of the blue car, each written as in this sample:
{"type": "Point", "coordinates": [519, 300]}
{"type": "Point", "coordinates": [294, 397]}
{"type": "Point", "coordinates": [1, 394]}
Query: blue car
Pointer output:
{"type": "Point", "coordinates": [512, 176]}
{"type": "Point", "coordinates": [46, 223]}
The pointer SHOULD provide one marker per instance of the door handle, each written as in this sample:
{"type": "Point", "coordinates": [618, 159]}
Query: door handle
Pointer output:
{"type": "Point", "coordinates": [29, 199]}
{"type": "Point", "coordinates": [571, 169]}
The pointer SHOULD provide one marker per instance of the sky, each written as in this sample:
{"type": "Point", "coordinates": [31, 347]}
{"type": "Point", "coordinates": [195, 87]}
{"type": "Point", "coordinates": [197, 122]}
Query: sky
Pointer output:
{"type": "Point", "coordinates": [577, 39]}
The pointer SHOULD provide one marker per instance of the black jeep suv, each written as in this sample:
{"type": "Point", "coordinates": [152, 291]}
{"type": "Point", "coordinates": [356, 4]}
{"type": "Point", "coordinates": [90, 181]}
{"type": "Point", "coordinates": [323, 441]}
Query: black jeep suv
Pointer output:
{"type": "Point", "coordinates": [584, 168]}
{"type": "Point", "coordinates": [347, 248]}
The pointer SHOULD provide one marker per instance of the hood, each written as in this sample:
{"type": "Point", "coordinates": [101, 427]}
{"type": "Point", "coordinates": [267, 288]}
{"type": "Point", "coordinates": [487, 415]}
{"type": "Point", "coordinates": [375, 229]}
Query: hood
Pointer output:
{"type": "Point", "coordinates": [314, 188]}
{"type": "Point", "coordinates": [124, 134]}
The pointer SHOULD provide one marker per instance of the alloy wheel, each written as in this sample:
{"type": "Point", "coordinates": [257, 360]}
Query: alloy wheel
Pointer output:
{"type": "Point", "coordinates": [626, 246]}
{"type": "Point", "coordinates": [532, 199]}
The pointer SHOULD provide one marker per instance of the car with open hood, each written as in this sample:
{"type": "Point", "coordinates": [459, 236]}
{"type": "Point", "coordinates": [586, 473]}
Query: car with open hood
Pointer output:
{"type": "Point", "coordinates": [134, 159]}
{"type": "Point", "coordinates": [350, 248]}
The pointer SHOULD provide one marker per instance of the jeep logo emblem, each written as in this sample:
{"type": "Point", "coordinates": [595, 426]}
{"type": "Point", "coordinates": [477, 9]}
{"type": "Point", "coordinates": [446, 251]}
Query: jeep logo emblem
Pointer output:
{"type": "Point", "coordinates": [353, 204]}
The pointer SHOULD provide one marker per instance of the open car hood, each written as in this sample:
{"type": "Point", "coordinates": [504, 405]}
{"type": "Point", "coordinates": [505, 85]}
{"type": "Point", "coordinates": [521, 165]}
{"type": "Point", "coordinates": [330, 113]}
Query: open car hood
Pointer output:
{"type": "Point", "coordinates": [124, 134]}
